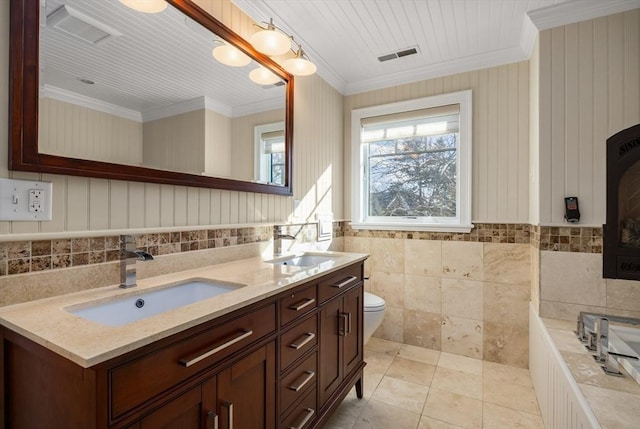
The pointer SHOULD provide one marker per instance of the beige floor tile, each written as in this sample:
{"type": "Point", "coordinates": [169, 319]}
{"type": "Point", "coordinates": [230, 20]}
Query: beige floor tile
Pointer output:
{"type": "Point", "coordinates": [371, 381]}
{"type": "Point", "coordinates": [453, 408]}
{"type": "Point", "coordinates": [460, 363]}
{"type": "Point", "coordinates": [347, 413]}
{"type": "Point", "coordinates": [419, 354]}
{"type": "Point", "coordinates": [497, 417]}
{"type": "Point", "coordinates": [410, 370]}
{"type": "Point", "coordinates": [514, 396]}
{"type": "Point", "coordinates": [401, 394]}
{"type": "Point", "coordinates": [378, 361]}
{"type": "Point", "coordinates": [377, 415]}
{"type": "Point", "coordinates": [499, 373]}
{"type": "Point", "coordinates": [458, 382]}
{"type": "Point", "coordinates": [429, 423]}
{"type": "Point", "coordinates": [382, 346]}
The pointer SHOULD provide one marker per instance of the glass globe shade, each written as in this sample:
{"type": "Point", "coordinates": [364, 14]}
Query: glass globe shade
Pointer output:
{"type": "Point", "coordinates": [146, 6]}
{"type": "Point", "coordinates": [270, 42]}
{"type": "Point", "coordinates": [262, 76]}
{"type": "Point", "coordinates": [230, 56]}
{"type": "Point", "coordinates": [299, 66]}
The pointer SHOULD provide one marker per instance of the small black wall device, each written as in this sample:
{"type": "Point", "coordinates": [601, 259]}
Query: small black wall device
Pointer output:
{"type": "Point", "coordinates": [571, 211]}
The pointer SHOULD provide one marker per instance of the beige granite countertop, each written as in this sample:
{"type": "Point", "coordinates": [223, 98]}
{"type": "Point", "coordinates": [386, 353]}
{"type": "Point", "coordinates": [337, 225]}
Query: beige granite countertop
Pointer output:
{"type": "Point", "coordinates": [615, 401]}
{"type": "Point", "coordinates": [87, 343]}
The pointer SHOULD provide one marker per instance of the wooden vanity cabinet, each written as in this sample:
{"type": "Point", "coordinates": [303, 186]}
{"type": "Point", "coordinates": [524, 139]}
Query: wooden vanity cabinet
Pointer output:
{"type": "Point", "coordinates": [286, 361]}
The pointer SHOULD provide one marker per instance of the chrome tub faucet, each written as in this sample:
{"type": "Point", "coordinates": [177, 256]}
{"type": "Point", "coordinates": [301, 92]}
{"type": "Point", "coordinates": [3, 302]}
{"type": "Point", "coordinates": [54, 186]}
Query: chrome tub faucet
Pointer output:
{"type": "Point", "coordinates": [128, 257]}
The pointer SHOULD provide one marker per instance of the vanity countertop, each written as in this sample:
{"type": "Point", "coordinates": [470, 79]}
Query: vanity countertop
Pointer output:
{"type": "Point", "coordinates": [87, 343]}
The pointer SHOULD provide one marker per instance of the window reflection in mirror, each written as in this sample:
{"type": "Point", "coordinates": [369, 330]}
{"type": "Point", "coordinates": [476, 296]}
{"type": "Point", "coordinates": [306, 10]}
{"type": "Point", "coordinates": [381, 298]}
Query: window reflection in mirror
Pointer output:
{"type": "Point", "coordinates": [269, 159]}
{"type": "Point", "coordinates": [144, 89]}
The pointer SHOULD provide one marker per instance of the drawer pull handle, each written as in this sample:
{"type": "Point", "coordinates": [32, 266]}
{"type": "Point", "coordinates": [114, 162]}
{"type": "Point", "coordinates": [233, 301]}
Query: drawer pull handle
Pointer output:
{"type": "Point", "coordinates": [348, 323]}
{"type": "Point", "coordinates": [342, 324]}
{"type": "Point", "coordinates": [308, 378]}
{"type": "Point", "coordinates": [191, 360]}
{"type": "Point", "coordinates": [310, 413]}
{"type": "Point", "coordinates": [308, 337]}
{"type": "Point", "coordinates": [229, 406]}
{"type": "Point", "coordinates": [345, 282]}
{"type": "Point", "coordinates": [212, 417]}
{"type": "Point", "coordinates": [304, 304]}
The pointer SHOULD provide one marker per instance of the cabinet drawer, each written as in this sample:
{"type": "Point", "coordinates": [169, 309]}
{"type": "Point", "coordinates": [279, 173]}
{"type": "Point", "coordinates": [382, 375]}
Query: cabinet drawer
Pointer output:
{"type": "Point", "coordinates": [298, 303]}
{"type": "Point", "coordinates": [337, 283]}
{"type": "Point", "coordinates": [295, 384]}
{"type": "Point", "coordinates": [302, 415]}
{"type": "Point", "coordinates": [297, 341]}
{"type": "Point", "coordinates": [137, 381]}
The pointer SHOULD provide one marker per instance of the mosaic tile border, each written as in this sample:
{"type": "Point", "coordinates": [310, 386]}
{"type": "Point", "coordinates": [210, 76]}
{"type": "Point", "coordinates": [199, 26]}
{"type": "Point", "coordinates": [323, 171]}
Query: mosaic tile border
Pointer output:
{"type": "Point", "coordinates": [483, 232]}
{"type": "Point", "coordinates": [567, 239]}
{"type": "Point", "coordinates": [19, 257]}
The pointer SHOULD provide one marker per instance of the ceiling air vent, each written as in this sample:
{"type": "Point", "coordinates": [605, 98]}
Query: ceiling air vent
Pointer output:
{"type": "Point", "coordinates": [79, 25]}
{"type": "Point", "coordinates": [398, 54]}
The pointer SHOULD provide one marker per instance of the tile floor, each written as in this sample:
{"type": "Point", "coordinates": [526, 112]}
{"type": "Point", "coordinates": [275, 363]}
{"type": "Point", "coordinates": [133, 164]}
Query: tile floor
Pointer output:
{"type": "Point", "coordinates": [408, 387]}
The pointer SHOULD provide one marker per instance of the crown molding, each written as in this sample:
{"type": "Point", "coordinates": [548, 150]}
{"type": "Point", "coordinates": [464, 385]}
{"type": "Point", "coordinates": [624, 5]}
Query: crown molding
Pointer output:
{"type": "Point", "coordinates": [261, 106]}
{"type": "Point", "coordinates": [260, 12]}
{"type": "Point", "coordinates": [578, 10]}
{"type": "Point", "coordinates": [198, 103]}
{"type": "Point", "coordinates": [56, 93]}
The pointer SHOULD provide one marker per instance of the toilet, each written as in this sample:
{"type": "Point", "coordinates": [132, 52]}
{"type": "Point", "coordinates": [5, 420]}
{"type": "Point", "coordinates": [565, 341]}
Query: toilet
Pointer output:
{"type": "Point", "coordinates": [374, 307]}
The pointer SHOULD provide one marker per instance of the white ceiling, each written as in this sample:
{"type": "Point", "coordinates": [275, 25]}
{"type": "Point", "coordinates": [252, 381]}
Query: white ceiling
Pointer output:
{"type": "Point", "coordinates": [345, 37]}
{"type": "Point", "coordinates": [158, 65]}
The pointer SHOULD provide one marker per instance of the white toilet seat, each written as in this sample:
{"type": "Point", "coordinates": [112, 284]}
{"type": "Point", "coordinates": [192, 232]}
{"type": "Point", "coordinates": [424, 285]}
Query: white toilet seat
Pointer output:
{"type": "Point", "coordinates": [373, 302]}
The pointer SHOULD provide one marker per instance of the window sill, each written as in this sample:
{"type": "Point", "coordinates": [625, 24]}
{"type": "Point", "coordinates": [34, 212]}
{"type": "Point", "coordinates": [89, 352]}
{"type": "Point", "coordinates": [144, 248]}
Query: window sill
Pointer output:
{"type": "Point", "coordinates": [404, 226]}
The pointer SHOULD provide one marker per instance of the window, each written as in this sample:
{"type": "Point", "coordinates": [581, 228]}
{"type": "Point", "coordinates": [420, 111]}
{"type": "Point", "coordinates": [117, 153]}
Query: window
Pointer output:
{"type": "Point", "coordinates": [270, 153]}
{"type": "Point", "coordinates": [412, 164]}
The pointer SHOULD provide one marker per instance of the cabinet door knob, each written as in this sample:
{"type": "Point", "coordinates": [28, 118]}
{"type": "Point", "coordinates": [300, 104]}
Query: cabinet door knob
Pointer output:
{"type": "Point", "coordinates": [212, 420]}
{"type": "Point", "coordinates": [305, 420]}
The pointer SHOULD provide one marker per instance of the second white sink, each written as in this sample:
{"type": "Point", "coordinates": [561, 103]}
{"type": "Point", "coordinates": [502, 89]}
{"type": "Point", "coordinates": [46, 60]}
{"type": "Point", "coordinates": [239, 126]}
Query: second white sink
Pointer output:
{"type": "Point", "coordinates": [303, 260]}
{"type": "Point", "coordinates": [121, 311]}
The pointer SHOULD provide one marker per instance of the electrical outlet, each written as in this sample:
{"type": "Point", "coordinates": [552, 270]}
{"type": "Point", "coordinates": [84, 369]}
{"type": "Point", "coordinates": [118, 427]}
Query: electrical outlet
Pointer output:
{"type": "Point", "coordinates": [25, 200]}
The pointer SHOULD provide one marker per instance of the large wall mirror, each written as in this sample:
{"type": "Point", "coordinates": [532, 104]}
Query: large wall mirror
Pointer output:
{"type": "Point", "coordinates": [101, 90]}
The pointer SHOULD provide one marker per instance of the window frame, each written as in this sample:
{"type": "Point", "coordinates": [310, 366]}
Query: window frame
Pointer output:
{"type": "Point", "coordinates": [262, 164]}
{"type": "Point", "coordinates": [462, 221]}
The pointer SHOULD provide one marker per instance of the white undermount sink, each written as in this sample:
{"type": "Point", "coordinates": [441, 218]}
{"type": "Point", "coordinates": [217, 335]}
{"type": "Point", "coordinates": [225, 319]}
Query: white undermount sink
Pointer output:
{"type": "Point", "coordinates": [302, 260]}
{"type": "Point", "coordinates": [131, 308]}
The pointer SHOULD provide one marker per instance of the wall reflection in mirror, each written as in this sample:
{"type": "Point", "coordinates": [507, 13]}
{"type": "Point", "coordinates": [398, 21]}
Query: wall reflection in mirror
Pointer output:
{"type": "Point", "coordinates": [142, 89]}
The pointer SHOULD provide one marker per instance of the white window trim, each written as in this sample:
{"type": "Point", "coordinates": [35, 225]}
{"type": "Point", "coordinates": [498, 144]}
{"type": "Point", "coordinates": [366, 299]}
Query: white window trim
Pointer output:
{"type": "Point", "coordinates": [462, 223]}
{"type": "Point", "coordinates": [260, 166]}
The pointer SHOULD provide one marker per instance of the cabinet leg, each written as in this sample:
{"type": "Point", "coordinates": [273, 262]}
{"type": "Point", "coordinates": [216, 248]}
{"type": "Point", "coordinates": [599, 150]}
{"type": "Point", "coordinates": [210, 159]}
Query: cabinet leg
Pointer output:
{"type": "Point", "coordinates": [359, 388]}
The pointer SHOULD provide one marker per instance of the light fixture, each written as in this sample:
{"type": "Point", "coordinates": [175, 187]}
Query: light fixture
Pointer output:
{"type": "Point", "coordinates": [270, 40]}
{"type": "Point", "coordinates": [299, 65]}
{"type": "Point", "coordinates": [146, 6]}
{"type": "Point", "coordinates": [263, 76]}
{"type": "Point", "coordinates": [273, 41]}
{"type": "Point", "coordinates": [230, 55]}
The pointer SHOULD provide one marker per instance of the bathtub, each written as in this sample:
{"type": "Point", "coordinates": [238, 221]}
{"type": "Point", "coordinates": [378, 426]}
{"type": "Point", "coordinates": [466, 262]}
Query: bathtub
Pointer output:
{"type": "Point", "coordinates": [626, 340]}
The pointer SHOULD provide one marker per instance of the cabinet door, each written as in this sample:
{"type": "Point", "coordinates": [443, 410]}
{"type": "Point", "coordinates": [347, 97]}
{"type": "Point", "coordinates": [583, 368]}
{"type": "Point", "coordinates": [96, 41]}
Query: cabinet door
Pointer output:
{"type": "Point", "coordinates": [184, 412]}
{"type": "Point", "coordinates": [352, 355]}
{"type": "Point", "coordinates": [331, 324]}
{"type": "Point", "coordinates": [246, 391]}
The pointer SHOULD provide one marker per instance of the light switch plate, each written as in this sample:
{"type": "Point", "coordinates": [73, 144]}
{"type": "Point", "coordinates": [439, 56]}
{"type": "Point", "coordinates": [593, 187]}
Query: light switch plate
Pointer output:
{"type": "Point", "coordinates": [26, 200]}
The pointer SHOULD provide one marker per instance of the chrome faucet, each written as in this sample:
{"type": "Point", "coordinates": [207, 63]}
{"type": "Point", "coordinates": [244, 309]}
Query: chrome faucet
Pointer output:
{"type": "Point", "coordinates": [277, 239]}
{"type": "Point", "coordinates": [128, 257]}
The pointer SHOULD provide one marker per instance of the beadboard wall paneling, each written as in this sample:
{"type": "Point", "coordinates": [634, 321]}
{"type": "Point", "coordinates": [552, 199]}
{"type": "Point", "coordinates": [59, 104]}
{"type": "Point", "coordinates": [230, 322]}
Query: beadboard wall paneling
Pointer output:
{"type": "Point", "coordinates": [93, 204]}
{"type": "Point", "coordinates": [500, 135]}
{"type": "Point", "coordinates": [534, 135]}
{"type": "Point", "coordinates": [589, 89]}
{"type": "Point", "coordinates": [79, 132]}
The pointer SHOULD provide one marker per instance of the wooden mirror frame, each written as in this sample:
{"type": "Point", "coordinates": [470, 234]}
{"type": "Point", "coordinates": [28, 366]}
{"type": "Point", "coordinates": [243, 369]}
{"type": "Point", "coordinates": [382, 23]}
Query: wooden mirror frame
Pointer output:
{"type": "Point", "coordinates": [23, 110]}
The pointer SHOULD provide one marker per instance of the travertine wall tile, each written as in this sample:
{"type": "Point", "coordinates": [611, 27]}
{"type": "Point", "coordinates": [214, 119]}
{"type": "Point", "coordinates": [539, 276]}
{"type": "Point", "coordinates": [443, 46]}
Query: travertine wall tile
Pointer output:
{"type": "Point", "coordinates": [462, 336]}
{"type": "Point", "coordinates": [574, 278]}
{"type": "Point", "coordinates": [507, 263]}
{"type": "Point", "coordinates": [422, 329]}
{"type": "Point", "coordinates": [423, 257]}
{"type": "Point", "coordinates": [392, 326]}
{"type": "Point", "coordinates": [389, 286]}
{"type": "Point", "coordinates": [423, 293]}
{"type": "Point", "coordinates": [623, 294]}
{"type": "Point", "coordinates": [387, 255]}
{"type": "Point", "coordinates": [506, 343]}
{"type": "Point", "coordinates": [505, 303]}
{"type": "Point", "coordinates": [462, 260]}
{"type": "Point", "coordinates": [462, 298]}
